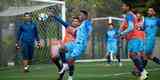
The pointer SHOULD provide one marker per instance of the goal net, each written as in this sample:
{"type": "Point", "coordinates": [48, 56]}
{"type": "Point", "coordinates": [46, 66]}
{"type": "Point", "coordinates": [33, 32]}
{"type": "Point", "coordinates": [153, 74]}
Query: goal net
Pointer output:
{"type": "Point", "coordinates": [12, 17]}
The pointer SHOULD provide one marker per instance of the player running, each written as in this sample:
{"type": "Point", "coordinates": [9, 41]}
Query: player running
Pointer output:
{"type": "Point", "coordinates": [135, 39]}
{"type": "Point", "coordinates": [69, 36]}
{"type": "Point", "coordinates": [26, 36]}
{"type": "Point", "coordinates": [77, 48]}
{"type": "Point", "coordinates": [112, 44]}
{"type": "Point", "coordinates": [151, 24]}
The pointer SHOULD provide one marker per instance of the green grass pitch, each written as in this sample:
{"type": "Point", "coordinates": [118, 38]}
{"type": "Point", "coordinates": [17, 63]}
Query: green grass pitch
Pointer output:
{"type": "Point", "coordinates": [84, 71]}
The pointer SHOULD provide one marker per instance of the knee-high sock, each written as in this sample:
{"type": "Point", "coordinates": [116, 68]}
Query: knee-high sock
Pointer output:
{"type": "Point", "coordinates": [63, 57]}
{"type": "Point", "coordinates": [118, 58]}
{"type": "Point", "coordinates": [138, 63]}
{"type": "Point", "coordinates": [156, 60]}
{"type": "Point", "coordinates": [71, 69]}
{"type": "Point", "coordinates": [57, 63]}
{"type": "Point", "coordinates": [61, 76]}
{"type": "Point", "coordinates": [108, 58]}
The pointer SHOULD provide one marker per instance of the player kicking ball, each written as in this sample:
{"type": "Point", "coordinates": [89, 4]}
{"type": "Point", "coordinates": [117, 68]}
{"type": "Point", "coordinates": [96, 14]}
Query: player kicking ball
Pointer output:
{"type": "Point", "coordinates": [112, 44]}
{"type": "Point", "coordinates": [77, 48]}
{"type": "Point", "coordinates": [69, 37]}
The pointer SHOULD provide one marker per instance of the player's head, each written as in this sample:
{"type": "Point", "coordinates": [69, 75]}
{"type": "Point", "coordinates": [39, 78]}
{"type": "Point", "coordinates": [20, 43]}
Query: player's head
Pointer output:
{"type": "Point", "coordinates": [126, 7]}
{"type": "Point", "coordinates": [83, 15]}
{"type": "Point", "coordinates": [139, 15]}
{"type": "Point", "coordinates": [28, 16]}
{"type": "Point", "coordinates": [50, 12]}
{"type": "Point", "coordinates": [76, 22]}
{"type": "Point", "coordinates": [151, 11]}
{"type": "Point", "coordinates": [110, 24]}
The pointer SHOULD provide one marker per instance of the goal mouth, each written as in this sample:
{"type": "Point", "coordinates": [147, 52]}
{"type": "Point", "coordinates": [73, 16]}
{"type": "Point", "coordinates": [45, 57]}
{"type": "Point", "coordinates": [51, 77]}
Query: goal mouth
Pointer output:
{"type": "Point", "coordinates": [47, 30]}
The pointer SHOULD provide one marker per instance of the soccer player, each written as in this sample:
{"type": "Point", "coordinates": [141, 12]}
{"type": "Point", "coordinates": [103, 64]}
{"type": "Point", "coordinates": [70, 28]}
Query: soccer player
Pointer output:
{"type": "Point", "coordinates": [76, 48]}
{"type": "Point", "coordinates": [135, 39]}
{"type": "Point", "coordinates": [69, 36]}
{"type": "Point", "coordinates": [26, 36]}
{"type": "Point", "coordinates": [151, 24]}
{"type": "Point", "coordinates": [112, 43]}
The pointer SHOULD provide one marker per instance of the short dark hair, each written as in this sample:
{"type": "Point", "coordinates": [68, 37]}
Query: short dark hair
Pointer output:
{"type": "Point", "coordinates": [129, 5]}
{"type": "Point", "coordinates": [154, 8]}
{"type": "Point", "coordinates": [84, 12]}
{"type": "Point", "coordinates": [51, 10]}
{"type": "Point", "coordinates": [76, 17]}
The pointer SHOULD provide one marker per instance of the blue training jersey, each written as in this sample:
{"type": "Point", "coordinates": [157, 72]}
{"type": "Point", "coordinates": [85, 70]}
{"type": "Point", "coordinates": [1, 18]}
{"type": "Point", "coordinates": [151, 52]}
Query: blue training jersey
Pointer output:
{"type": "Point", "coordinates": [112, 35]}
{"type": "Point", "coordinates": [150, 27]}
{"type": "Point", "coordinates": [83, 32]}
{"type": "Point", "coordinates": [27, 32]}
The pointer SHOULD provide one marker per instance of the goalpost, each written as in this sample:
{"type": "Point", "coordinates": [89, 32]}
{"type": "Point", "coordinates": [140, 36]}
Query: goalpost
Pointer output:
{"type": "Point", "coordinates": [47, 30]}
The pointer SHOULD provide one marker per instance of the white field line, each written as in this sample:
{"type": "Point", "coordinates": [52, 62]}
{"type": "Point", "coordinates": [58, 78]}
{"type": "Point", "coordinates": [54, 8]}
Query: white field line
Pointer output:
{"type": "Point", "coordinates": [85, 75]}
{"type": "Point", "coordinates": [114, 75]}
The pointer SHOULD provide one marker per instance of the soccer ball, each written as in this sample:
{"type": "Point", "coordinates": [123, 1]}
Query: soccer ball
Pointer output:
{"type": "Point", "coordinates": [42, 17]}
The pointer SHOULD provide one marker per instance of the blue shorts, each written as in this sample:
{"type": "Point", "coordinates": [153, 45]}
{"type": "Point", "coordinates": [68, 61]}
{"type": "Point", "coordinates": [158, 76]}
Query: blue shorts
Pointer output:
{"type": "Point", "coordinates": [74, 50]}
{"type": "Point", "coordinates": [27, 50]}
{"type": "Point", "coordinates": [149, 46]}
{"type": "Point", "coordinates": [135, 46]}
{"type": "Point", "coordinates": [112, 47]}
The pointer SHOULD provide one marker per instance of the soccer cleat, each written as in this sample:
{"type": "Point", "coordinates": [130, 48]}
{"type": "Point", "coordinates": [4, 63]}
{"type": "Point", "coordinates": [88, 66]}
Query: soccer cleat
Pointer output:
{"type": "Point", "coordinates": [143, 75]}
{"type": "Point", "coordinates": [145, 72]}
{"type": "Point", "coordinates": [26, 68]}
{"type": "Point", "coordinates": [120, 64]}
{"type": "Point", "coordinates": [64, 68]}
{"type": "Point", "coordinates": [70, 78]}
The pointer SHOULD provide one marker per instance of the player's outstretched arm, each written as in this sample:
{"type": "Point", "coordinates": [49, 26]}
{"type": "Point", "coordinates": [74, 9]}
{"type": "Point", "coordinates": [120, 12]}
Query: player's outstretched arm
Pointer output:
{"type": "Point", "coordinates": [130, 25]}
{"type": "Point", "coordinates": [60, 20]}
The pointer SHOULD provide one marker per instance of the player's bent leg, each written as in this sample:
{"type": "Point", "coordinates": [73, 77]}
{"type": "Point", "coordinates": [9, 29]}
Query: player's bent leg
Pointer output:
{"type": "Point", "coordinates": [135, 47]}
{"type": "Point", "coordinates": [71, 69]}
{"type": "Point", "coordinates": [154, 59]}
{"type": "Point", "coordinates": [56, 61]}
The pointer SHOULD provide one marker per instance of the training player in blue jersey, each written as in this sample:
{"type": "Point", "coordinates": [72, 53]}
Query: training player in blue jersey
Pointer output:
{"type": "Point", "coordinates": [135, 40]}
{"type": "Point", "coordinates": [27, 34]}
{"type": "Point", "coordinates": [112, 44]}
{"type": "Point", "coordinates": [77, 48]}
{"type": "Point", "coordinates": [151, 24]}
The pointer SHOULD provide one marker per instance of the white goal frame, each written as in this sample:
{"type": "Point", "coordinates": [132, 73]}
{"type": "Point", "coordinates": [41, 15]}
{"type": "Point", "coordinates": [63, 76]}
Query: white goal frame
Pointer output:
{"type": "Point", "coordinates": [63, 11]}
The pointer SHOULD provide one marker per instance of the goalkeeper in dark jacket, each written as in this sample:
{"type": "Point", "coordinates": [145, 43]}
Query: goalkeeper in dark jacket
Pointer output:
{"type": "Point", "coordinates": [26, 36]}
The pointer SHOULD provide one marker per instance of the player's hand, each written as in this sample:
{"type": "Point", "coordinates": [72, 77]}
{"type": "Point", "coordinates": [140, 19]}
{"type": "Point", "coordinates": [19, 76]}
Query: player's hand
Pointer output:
{"type": "Point", "coordinates": [17, 46]}
{"type": "Point", "coordinates": [38, 44]}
